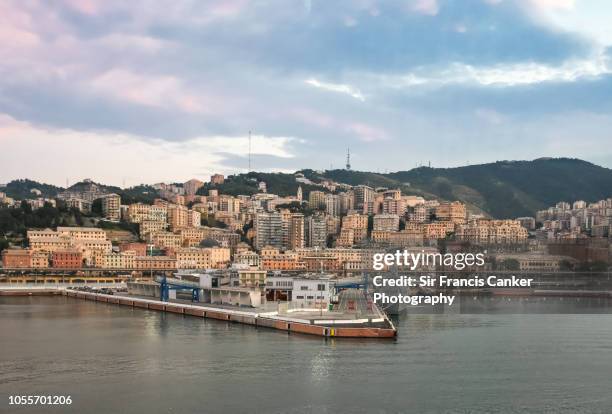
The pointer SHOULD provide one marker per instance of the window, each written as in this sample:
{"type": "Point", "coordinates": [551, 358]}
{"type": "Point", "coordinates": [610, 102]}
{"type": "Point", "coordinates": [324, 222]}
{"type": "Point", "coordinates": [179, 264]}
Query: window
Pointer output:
{"type": "Point", "coordinates": [309, 297]}
{"type": "Point", "coordinates": [299, 297]}
{"type": "Point", "coordinates": [303, 287]}
{"type": "Point", "coordinates": [321, 287]}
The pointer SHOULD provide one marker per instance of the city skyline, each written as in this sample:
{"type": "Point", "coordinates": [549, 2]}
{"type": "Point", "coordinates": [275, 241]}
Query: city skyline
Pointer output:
{"type": "Point", "coordinates": [132, 93]}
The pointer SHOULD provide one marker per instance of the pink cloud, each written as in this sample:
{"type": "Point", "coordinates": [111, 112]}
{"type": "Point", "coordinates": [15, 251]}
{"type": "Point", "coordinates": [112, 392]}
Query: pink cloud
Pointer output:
{"type": "Point", "coordinates": [363, 131]}
{"type": "Point", "coordinates": [89, 7]}
{"type": "Point", "coordinates": [148, 90]}
{"type": "Point", "coordinates": [428, 7]}
{"type": "Point", "coordinates": [366, 132]}
{"type": "Point", "coordinates": [313, 117]}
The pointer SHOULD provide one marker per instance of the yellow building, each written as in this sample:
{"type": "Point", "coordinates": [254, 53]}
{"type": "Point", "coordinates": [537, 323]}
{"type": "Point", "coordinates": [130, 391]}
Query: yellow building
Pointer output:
{"type": "Point", "coordinates": [148, 227]}
{"type": "Point", "coordinates": [40, 259]}
{"type": "Point", "coordinates": [219, 256]}
{"type": "Point", "coordinates": [123, 260]}
{"type": "Point", "coordinates": [437, 230]}
{"type": "Point", "coordinates": [454, 212]}
{"type": "Point", "coordinates": [386, 222]}
{"type": "Point", "coordinates": [178, 217]}
{"type": "Point", "coordinates": [166, 239]}
{"type": "Point", "coordinates": [154, 263]}
{"type": "Point", "coordinates": [193, 258]}
{"type": "Point", "coordinates": [492, 232]}
{"type": "Point", "coordinates": [346, 238]}
{"type": "Point", "coordinates": [252, 278]}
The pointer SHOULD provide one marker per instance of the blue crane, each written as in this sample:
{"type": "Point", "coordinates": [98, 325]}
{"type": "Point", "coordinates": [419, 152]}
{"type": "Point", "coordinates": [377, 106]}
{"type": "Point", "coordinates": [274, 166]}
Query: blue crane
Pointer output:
{"type": "Point", "coordinates": [168, 284]}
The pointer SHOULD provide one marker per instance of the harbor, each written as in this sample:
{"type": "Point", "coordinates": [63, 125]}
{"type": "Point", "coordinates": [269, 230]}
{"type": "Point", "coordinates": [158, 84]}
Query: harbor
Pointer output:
{"type": "Point", "coordinates": [104, 355]}
{"type": "Point", "coordinates": [319, 322]}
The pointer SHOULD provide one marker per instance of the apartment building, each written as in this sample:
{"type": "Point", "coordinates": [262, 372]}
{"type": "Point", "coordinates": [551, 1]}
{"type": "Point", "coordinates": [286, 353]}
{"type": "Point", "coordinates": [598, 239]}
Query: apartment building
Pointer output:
{"type": "Point", "coordinates": [437, 230]}
{"type": "Point", "coordinates": [451, 211]}
{"type": "Point", "coordinates": [148, 227]}
{"type": "Point", "coordinates": [139, 212]}
{"type": "Point", "coordinates": [111, 207]}
{"type": "Point", "coordinates": [165, 239]}
{"type": "Point", "coordinates": [492, 232]}
{"type": "Point", "coordinates": [217, 179]}
{"type": "Point", "coordinates": [154, 263]}
{"type": "Point", "coordinates": [192, 258]}
{"type": "Point", "coordinates": [252, 278]}
{"type": "Point", "coordinates": [67, 259]}
{"type": "Point", "coordinates": [268, 230]}
{"type": "Point", "coordinates": [123, 260]}
{"type": "Point", "coordinates": [17, 258]}
{"type": "Point", "coordinates": [316, 200]}
{"type": "Point", "coordinates": [386, 222]}
{"type": "Point", "coordinates": [192, 186]}
{"type": "Point", "coordinates": [296, 231]}
{"type": "Point", "coordinates": [316, 231]}
{"type": "Point", "coordinates": [178, 217]}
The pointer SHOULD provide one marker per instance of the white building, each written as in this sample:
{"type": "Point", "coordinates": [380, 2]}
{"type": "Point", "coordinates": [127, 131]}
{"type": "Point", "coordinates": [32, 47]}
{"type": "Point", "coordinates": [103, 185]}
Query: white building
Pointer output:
{"type": "Point", "coordinates": [312, 293]}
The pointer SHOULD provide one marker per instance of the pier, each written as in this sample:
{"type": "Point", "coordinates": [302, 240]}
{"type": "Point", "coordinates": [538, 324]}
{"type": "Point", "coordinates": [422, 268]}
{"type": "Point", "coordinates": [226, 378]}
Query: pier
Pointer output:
{"type": "Point", "coordinates": [303, 322]}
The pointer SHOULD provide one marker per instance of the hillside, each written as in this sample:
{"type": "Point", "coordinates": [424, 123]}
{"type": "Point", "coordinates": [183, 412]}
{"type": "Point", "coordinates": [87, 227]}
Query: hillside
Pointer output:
{"type": "Point", "coordinates": [246, 184]}
{"type": "Point", "coordinates": [22, 189]}
{"type": "Point", "coordinates": [504, 189]}
{"type": "Point", "coordinates": [501, 189]}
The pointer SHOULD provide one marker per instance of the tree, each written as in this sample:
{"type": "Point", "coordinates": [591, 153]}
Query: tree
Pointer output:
{"type": "Point", "coordinates": [4, 244]}
{"type": "Point", "coordinates": [210, 221]}
{"type": "Point", "coordinates": [96, 207]}
{"type": "Point", "coordinates": [597, 266]}
{"type": "Point", "coordinates": [565, 265]}
{"type": "Point", "coordinates": [209, 243]}
{"type": "Point", "coordinates": [511, 264]}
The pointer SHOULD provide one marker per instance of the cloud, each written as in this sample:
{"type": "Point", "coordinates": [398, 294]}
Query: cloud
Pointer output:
{"type": "Point", "coordinates": [186, 79]}
{"type": "Point", "coordinates": [157, 91]}
{"type": "Point", "coordinates": [335, 87]}
{"type": "Point", "coordinates": [56, 154]}
{"type": "Point", "coordinates": [133, 43]}
{"type": "Point", "coordinates": [506, 75]}
{"type": "Point", "coordinates": [365, 132]}
{"type": "Point", "coordinates": [361, 130]}
{"type": "Point", "coordinates": [428, 7]}
{"type": "Point", "coordinates": [553, 4]}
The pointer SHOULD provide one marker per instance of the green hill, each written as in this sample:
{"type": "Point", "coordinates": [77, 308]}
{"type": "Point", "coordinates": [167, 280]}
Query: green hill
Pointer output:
{"type": "Point", "coordinates": [502, 189]}
{"type": "Point", "coordinates": [22, 189]}
{"type": "Point", "coordinates": [247, 184]}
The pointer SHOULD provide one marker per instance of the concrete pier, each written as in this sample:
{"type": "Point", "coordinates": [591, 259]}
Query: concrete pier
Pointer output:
{"type": "Point", "coordinates": [340, 328]}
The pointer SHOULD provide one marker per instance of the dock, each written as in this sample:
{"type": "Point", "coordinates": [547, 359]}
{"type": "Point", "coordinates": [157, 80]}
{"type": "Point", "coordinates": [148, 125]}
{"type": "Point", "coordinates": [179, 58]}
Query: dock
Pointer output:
{"type": "Point", "coordinates": [380, 327]}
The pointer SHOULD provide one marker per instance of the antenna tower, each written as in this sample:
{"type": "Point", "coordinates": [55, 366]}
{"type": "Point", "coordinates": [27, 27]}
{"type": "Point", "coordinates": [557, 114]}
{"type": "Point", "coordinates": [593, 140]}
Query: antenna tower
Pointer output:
{"type": "Point", "coordinates": [348, 158]}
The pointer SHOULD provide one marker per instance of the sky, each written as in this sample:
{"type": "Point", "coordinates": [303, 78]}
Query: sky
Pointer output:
{"type": "Point", "coordinates": [129, 92]}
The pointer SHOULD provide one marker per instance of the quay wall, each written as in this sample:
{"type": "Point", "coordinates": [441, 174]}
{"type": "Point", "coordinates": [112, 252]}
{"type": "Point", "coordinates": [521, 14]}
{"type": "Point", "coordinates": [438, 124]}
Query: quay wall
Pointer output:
{"type": "Point", "coordinates": [249, 318]}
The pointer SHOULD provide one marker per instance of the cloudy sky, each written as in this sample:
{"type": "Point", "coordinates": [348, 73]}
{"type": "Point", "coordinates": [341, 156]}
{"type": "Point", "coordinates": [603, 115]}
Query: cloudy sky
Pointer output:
{"type": "Point", "coordinates": [145, 91]}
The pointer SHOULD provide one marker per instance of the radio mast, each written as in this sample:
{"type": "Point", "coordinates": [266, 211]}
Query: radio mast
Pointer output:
{"type": "Point", "coordinates": [348, 158]}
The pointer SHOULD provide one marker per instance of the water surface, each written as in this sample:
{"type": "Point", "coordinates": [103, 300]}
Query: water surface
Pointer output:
{"type": "Point", "coordinates": [113, 359]}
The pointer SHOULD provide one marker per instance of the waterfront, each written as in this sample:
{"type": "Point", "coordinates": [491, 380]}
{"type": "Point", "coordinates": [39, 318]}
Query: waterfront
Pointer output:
{"type": "Point", "coordinates": [118, 359]}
